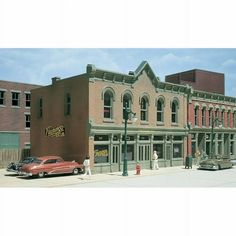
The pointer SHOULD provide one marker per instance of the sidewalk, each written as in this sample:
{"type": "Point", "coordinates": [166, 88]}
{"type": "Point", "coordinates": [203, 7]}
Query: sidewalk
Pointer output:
{"type": "Point", "coordinates": [8, 179]}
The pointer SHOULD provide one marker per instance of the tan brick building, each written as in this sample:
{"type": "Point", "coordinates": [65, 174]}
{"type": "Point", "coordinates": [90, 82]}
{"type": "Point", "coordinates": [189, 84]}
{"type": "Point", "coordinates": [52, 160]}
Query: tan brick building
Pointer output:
{"type": "Point", "coordinates": [83, 115]}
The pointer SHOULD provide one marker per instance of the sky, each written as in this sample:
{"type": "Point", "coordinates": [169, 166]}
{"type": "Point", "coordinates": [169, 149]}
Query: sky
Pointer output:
{"type": "Point", "coordinates": [39, 65]}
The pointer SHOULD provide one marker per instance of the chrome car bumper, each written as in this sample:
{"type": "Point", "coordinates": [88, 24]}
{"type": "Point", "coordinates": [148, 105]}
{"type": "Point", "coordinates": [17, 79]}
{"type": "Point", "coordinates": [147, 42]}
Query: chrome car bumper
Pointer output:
{"type": "Point", "coordinates": [208, 167]}
{"type": "Point", "coordinates": [25, 174]}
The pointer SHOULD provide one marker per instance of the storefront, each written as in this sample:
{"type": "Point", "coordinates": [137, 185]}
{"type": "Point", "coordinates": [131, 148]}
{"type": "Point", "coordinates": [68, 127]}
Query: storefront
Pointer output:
{"type": "Point", "coordinates": [109, 151]}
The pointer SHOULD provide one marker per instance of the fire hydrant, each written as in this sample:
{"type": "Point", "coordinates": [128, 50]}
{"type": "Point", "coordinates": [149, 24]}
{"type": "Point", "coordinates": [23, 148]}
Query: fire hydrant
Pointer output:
{"type": "Point", "coordinates": [138, 169]}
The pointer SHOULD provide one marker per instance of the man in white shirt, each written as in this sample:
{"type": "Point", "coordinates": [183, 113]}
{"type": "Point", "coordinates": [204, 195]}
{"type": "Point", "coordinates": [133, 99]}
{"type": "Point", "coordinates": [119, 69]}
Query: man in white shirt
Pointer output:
{"type": "Point", "coordinates": [155, 161]}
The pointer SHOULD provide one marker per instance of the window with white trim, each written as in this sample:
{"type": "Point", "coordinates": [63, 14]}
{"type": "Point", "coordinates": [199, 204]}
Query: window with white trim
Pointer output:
{"type": "Point", "coordinates": [108, 105]}
{"type": "Point", "coordinates": [2, 98]}
{"type": "Point", "coordinates": [160, 110]}
{"type": "Point", "coordinates": [126, 102]}
{"type": "Point", "coordinates": [27, 99]}
{"type": "Point", "coordinates": [196, 116]}
{"type": "Point", "coordinates": [204, 116]}
{"type": "Point", "coordinates": [15, 99]}
{"type": "Point", "coordinates": [174, 112]}
{"type": "Point", "coordinates": [144, 109]}
{"type": "Point", "coordinates": [27, 120]}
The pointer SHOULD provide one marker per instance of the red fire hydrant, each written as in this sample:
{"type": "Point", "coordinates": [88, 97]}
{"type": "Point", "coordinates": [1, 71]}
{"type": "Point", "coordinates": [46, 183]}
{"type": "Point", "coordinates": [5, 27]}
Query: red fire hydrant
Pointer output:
{"type": "Point", "coordinates": [138, 169]}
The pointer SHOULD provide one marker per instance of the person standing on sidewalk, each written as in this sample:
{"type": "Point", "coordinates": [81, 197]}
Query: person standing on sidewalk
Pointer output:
{"type": "Point", "coordinates": [155, 161]}
{"type": "Point", "coordinates": [86, 164]}
{"type": "Point", "coordinates": [198, 157]}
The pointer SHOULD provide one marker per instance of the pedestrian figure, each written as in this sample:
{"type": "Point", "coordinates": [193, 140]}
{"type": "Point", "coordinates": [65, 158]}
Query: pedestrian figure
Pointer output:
{"type": "Point", "coordinates": [155, 161]}
{"type": "Point", "coordinates": [197, 156]}
{"type": "Point", "coordinates": [86, 164]}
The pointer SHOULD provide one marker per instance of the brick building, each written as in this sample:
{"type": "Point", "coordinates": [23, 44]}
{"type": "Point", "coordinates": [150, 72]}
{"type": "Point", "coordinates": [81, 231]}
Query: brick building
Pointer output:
{"type": "Point", "coordinates": [15, 103]}
{"type": "Point", "coordinates": [206, 102]}
{"type": "Point", "coordinates": [202, 80]}
{"type": "Point", "coordinates": [83, 115]}
{"type": "Point", "coordinates": [204, 108]}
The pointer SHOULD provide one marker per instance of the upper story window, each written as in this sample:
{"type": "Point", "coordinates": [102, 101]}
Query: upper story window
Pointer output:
{"type": "Point", "coordinates": [67, 104]}
{"type": "Point", "coordinates": [160, 110]}
{"type": "Point", "coordinates": [144, 109]}
{"type": "Point", "coordinates": [210, 116]}
{"type": "Point", "coordinates": [108, 105]}
{"type": "Point", "coordinates": [27, 120]}
{"type": "Point", "coordinates": [174, 112]}
{"type": "Point", "coordinates": [127, 103]}
{"type": "Point", "coordinates": [234, 119]}
{"type": "Point", "coordinates": [228, 118]}
{"type": "Point", "coordinates": [222, 118]}
{"type": "Point", "coordinates": [2, 98]}
{"type": "Point", "coordinates": [40, 108]}
{"type": "Point", "coordinates": [196, 116]}
{"type": "Point", "coordinates": [27, 99]}
{"type": "Point", "coordinates": [15, 99]}
{"type": "Point", "coordinates": [204, 116]}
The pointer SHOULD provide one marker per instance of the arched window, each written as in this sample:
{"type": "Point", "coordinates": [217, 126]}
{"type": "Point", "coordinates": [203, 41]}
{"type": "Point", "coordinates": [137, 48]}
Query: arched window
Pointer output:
{"type": "Point", "coordinates": [204, 116]}
{"type": "Point", "coordinates": [108, 105]}
{"type": "Point", "coordinates": [160, 110]}
{"type": "Point", "coordinates": [210, 115]}
{"type": "Point", "coordinates": [174, 112]}
{"type": "Point", "coordinates": [196, 116]}
{"type": "Point", "coordinates": [144, 109]}
{"type": "Point", "coordinates": [126, 102]}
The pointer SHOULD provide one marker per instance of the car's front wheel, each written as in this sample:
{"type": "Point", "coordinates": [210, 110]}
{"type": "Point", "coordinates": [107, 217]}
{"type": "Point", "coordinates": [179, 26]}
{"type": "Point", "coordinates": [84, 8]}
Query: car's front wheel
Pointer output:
{"type": "Point", "coordinates": [41, 174]}
{"type": "Point", "coordinates": [75, 171]}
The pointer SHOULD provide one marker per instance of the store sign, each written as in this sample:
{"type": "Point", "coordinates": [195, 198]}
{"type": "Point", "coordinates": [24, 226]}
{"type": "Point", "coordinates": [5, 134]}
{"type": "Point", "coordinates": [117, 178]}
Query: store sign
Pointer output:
{"type": "Point", "coordinates": [58, 131]}
{"type": "Point", "coordinates": [101, 153]}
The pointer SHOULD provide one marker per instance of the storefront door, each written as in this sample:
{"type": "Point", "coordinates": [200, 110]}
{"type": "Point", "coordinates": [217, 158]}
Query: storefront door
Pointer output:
{"type": "Point", "coordinates": [168, 156]}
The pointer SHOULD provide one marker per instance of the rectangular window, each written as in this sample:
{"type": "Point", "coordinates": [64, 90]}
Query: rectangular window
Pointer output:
{"type": "Point", "coordinates": [177, 150]}
{"type": "Point", "coordinates": [40, 111]}
{"type": "Point", "coordinates": [27, 99]}
{"type": "Point", "coordinates": [27, 121]}
{"type": "Point", "coordinates": [228, 119]}
{"type": "Point", "coordinates": [2, 97]}
{"type": "Point", "coordinates": [101, 154]}
{"type": "Point", "coordinates": [222, 119]}
{"type": "Point", "coordinates": [210, 117]}
{"type": "Point", "coordinates": [234, 120]}
{"type": "Point", "coordinates": [159, 148]}
{"type": "Point", "coordinates": [204, 116]}
{"type": "Point", "coordinates": [15, 99]}
{"type": "Point", "coordinates": [67, 104]}
{"type": "Point", "coordinates": [130, 152]}
{"type": "Point", "coordinates": [196, 116]}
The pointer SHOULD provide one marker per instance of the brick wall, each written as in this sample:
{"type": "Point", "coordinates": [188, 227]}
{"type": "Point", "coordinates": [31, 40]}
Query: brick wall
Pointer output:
{"type": "Point", "coordinates": [12, 117]}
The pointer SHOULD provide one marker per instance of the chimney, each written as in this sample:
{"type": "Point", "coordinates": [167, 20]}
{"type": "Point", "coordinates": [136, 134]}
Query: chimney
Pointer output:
{"type": "Point", "coordinates": [55, 79]}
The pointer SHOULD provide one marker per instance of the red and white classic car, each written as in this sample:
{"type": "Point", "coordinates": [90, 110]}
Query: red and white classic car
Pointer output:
{"type": "Point", "coordinates": [50, 165]}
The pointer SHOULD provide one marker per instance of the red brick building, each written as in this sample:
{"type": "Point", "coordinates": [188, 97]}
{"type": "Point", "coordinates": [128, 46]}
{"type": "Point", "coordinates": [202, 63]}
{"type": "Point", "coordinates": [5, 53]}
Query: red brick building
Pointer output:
{"type": "Point", "coordinates": [203, 109]}
{"type": "Point", "coordinates": [83, 115]}
{"type": "Point", "coordinates": [202, 80]}
{"type": "Point", "coordinates": [206, 102]}
{"type": "Point", "coordinates": [15, 103]}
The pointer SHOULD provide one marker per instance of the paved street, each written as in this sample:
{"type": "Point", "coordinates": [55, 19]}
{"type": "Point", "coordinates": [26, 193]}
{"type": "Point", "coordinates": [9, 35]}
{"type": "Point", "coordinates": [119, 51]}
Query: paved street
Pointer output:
{"type": "Point", "coordinates": [164, 177]}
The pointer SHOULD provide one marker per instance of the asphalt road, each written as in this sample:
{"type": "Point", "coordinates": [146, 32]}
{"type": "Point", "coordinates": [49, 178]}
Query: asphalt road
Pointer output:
{"type": "Point", "coordinates": [164, 177]}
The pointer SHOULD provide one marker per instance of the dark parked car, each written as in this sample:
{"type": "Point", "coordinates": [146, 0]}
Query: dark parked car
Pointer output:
{"type": "Point", "coordinates": [50, 165]}
{"type": "Point", "coordinates": [14, 167]}
{"type": "Point", "coordinates": [216, 163]}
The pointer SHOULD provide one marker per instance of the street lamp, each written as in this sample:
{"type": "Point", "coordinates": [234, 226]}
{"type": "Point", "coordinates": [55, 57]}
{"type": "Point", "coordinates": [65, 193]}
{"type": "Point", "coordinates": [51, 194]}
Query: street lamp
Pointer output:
{"type": "Point", "coordinates": [127, 112]}
{"type": "Point", "coordinates": [213, 121]}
